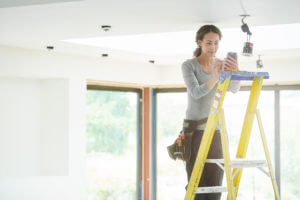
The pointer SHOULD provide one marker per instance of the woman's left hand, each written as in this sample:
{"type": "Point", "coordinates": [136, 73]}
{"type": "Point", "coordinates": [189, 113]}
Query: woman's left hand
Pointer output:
{"type": "Point", "coordinates": [231, 63]}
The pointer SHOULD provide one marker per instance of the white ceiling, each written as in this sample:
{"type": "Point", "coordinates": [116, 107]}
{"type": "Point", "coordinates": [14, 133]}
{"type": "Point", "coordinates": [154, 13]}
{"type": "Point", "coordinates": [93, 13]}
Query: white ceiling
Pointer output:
{"type": "Point", "coordinates": [36, 24]}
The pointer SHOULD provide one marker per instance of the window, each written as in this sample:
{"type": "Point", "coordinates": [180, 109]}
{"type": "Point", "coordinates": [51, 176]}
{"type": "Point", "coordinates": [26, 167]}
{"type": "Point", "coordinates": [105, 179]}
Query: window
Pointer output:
{"type": "Point", "coordinates": [254, 184]}
{"type": "Point", "coordinates": [171, 175]}
{"type": "Point", "coordinates": [289, 144]}
{"type": "Point", "coordinates": [112, 150]}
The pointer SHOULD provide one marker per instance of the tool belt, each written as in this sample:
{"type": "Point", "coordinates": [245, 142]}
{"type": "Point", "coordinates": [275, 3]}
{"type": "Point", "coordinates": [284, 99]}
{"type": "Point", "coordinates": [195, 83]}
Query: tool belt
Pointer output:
{"type": "Point", "coordinates": [181, 148]}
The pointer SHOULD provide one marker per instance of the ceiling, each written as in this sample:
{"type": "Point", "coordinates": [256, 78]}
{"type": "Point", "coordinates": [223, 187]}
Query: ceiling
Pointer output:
{"type": "Point", "coordinates": [36, 24]}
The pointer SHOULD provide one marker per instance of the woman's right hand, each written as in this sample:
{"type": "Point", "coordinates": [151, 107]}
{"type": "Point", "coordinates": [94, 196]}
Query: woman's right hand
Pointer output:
{"type": "Point", "coordinates": [218, 68]}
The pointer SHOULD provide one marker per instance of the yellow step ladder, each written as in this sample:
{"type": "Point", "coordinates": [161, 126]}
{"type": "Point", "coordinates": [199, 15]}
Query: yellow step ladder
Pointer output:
{"type": "Point", "coordinates": [233, 168]}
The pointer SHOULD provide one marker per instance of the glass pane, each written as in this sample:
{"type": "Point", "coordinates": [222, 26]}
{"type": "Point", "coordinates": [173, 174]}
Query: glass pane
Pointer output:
{"type": "Point", "coordinates": [254, 184]}
{"type": "Point", "coordinates": [111, 161]}
{"type": "Point", "coordinates": [235, 106]}
{"type": "Point", "coordinates": [171, 175]}
{"type": "Point", "coordinates": [289, 147]}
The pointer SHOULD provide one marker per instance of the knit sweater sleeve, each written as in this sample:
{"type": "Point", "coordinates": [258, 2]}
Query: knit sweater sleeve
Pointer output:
{"type": "Point", "coordinates": [194, 88]}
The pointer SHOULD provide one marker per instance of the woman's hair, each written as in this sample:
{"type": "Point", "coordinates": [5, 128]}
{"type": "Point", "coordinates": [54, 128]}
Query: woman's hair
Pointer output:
{"type": "Point", "coordinates": [200, 35]}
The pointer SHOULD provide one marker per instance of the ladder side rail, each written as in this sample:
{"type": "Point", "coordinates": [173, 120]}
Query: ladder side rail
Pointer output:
{"type": "Point", "coordinates": [226, 155]}
{"type": "Point", "coordinates": [247, 127]}
{"type": "Point", "coordinates": [267, 154]}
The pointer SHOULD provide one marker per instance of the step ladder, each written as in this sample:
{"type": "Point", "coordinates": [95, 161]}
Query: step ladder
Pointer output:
{"type": "Point", "coordinates": [232, 168]}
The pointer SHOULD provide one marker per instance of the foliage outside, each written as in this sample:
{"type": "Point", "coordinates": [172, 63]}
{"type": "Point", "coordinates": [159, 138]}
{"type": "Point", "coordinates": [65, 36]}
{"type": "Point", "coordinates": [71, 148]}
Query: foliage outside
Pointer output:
{"type": "Point", "coordinates": [111, 145]}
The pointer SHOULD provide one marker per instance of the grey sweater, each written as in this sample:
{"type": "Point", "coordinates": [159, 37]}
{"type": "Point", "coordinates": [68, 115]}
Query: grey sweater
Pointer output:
{"type": "Point", "coordinates": [199, 96]}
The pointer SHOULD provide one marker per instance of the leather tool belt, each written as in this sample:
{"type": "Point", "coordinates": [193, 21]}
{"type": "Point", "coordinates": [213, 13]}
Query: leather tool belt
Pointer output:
{"type": "Point", "coordinates": [181, 148]}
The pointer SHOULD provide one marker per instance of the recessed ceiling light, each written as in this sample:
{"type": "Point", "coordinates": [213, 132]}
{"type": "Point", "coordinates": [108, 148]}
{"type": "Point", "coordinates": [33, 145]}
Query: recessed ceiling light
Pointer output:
{"type": "Point", "coordinates": [106, 28]}
{"type": "Point", "coordinates": [50, 48]}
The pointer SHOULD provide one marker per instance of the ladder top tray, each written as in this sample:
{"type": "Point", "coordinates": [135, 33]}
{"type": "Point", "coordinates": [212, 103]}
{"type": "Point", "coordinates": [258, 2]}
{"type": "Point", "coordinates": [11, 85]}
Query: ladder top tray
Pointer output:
{"type": "Point", "coordinates": [242, 75]}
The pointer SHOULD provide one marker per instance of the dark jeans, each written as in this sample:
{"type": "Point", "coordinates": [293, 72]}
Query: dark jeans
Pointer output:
{"type": "Point", "coordinates": [212, 174]}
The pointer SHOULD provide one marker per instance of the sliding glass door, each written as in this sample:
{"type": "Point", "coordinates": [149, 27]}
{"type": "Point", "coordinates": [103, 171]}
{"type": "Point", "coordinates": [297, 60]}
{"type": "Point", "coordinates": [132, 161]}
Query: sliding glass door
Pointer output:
{"type": "Point", "coordinates": [113, 145]}
{"type": "Point", "coordinates": [289, 144]}
{"type": "Point", "coordinates": [254, 184]}
{"type": "Point", "coordinates": [170, 112]}
{"type": "Point", "coordinates": [171, 176]}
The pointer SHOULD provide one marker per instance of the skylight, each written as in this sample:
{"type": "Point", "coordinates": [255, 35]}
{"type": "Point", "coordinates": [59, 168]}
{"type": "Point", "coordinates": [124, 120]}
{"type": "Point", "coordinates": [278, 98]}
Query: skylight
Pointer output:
{"type": "Point", "coordinates": [272, 37]}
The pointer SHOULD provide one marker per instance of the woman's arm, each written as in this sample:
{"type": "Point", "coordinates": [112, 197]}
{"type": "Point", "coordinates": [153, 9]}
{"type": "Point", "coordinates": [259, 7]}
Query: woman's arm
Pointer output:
{"type": "Point", "coordinates": [195, 89]}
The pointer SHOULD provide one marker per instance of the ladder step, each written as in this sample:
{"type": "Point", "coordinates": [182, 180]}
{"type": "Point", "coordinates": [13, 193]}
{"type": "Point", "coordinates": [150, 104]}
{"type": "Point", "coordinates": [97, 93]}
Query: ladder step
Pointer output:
{"type": "Point", "coordinates": [240, 163]}
{"type": "Point", "coordinates": [213, 189]}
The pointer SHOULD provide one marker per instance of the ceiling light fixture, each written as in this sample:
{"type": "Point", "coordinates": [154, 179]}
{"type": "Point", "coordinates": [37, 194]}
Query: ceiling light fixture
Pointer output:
{"type": "Point", "coordinates": [259, 63]}
{"type": "Point", "coordinates": [248, 46]}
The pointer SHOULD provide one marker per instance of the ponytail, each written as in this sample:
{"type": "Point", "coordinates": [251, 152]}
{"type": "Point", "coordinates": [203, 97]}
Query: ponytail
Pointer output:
{"type": "Point", "coordinates": [197, 52]}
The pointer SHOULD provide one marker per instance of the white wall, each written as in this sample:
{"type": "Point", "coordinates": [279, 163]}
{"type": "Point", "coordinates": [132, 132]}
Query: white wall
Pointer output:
{"type": "Point", "coordinates": [34, 139]}
{"type": "Point", "coordinates": [20, 128]}
{"type": "Point", "coordinates": [54, 130]}
{"type": "Point", "coordinates": [42, 119]}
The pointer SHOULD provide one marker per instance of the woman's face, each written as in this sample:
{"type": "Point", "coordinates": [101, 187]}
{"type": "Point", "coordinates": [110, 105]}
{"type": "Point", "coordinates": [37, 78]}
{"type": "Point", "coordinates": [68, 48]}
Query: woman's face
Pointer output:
{"type": "Point", "coordinates": [209, 44]}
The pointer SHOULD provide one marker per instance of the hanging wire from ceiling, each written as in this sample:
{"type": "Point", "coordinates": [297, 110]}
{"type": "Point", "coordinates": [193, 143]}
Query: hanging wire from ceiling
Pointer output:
{"type": "Point", "coordinates": [243, 7]}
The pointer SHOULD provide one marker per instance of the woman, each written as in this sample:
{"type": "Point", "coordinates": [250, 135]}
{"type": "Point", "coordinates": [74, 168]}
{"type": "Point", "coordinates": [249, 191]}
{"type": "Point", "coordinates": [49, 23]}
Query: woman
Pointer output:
{"type": "Point", "coordinates": [201, 75]}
